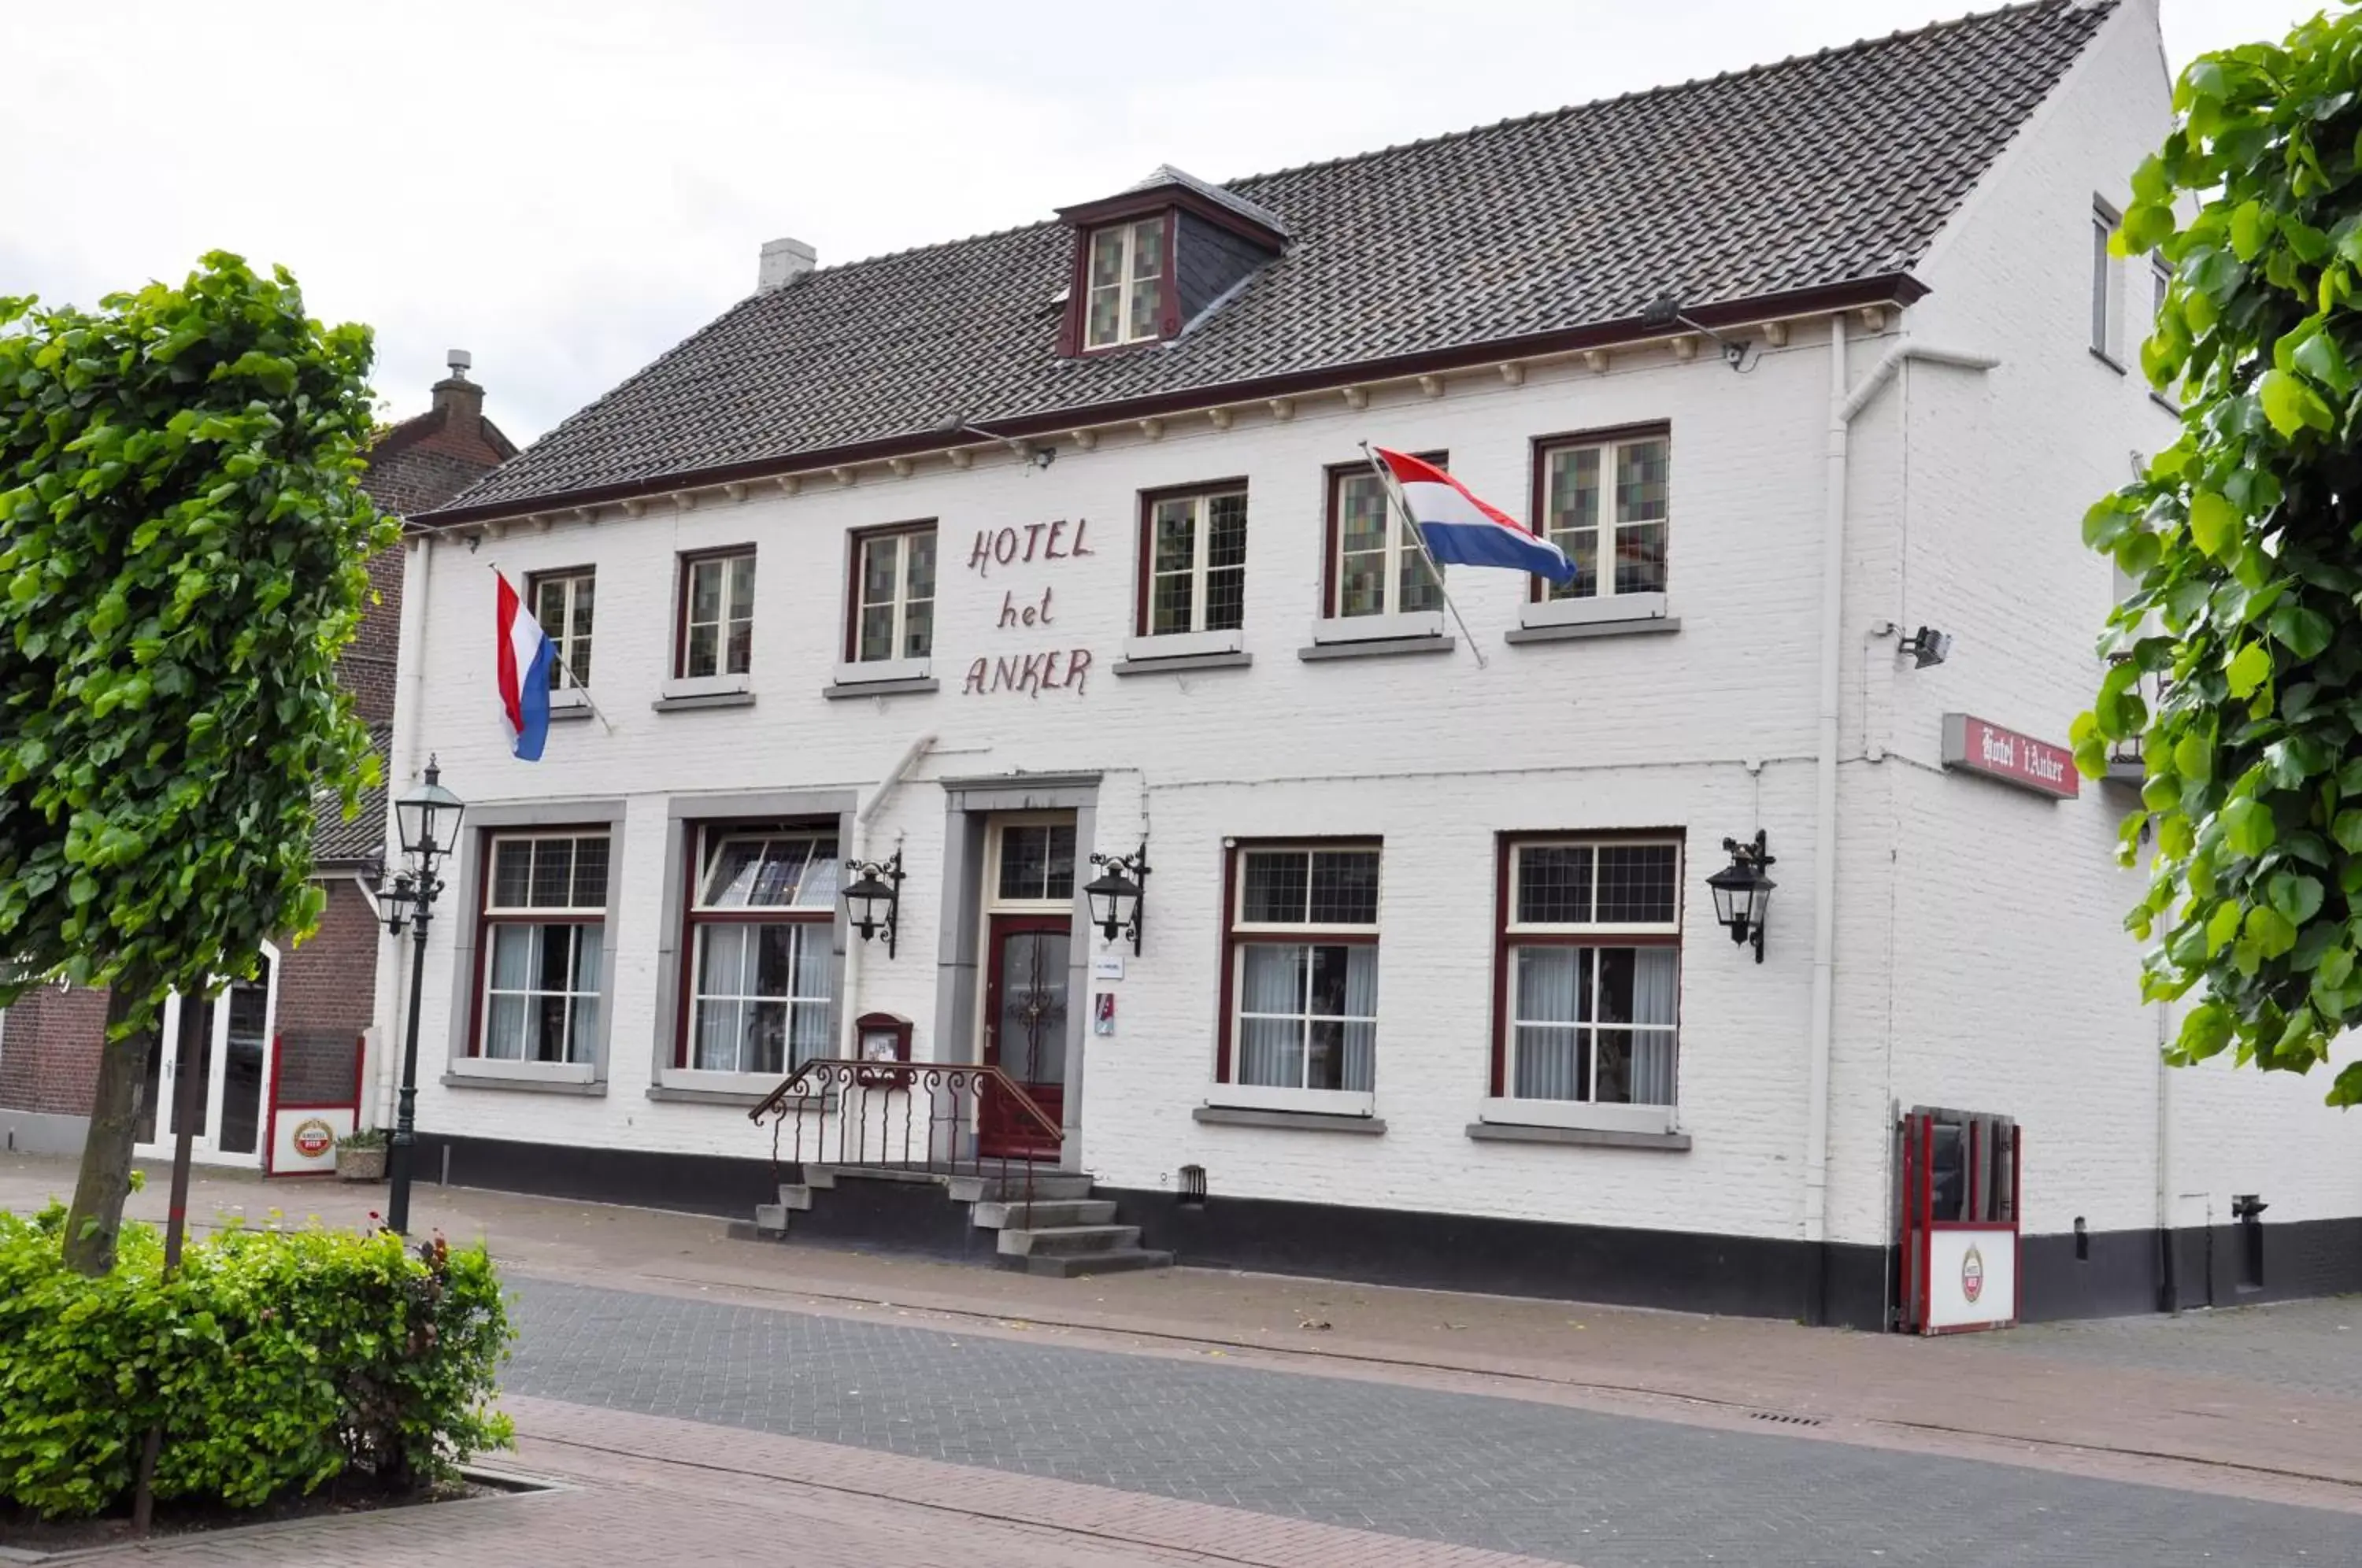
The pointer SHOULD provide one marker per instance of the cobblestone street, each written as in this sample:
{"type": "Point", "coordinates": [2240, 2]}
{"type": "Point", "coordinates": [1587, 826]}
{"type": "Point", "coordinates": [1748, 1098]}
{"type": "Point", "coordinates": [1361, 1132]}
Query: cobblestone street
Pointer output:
{"type": "Point", "coordinates": [708, 1401]}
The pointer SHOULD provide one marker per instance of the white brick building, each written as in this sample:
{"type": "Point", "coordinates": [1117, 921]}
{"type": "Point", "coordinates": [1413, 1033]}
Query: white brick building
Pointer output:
{"type": "Point", "coordinates": [1339, 1015]}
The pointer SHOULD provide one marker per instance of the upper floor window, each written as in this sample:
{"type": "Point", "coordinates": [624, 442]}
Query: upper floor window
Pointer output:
{"type": "Point", "coordinates": [760, 949]}
{"type": "Point", "coordinates": [717, 614]}
{"type": "Point", "coordinates": [1605, 503]}
{"type": "Point", "coordinates": [2104, 282]}
{"type": "Point", "coordinates": [1375, 564]}
{"type": "Point", "coordinates": [1302, 964]}
{"type": "Point", "coordinates": [1590, 950]}
{"type": "Point", "coordinates": [894, 594]}
{"type": "Point", "coordinates": [542, 932]}
{"type": "Point", "coordinates": [1194, 562]}
{"type": "Point", "coordinates": [1126, 283]}
{"type": "Point", "coordinates": [562, 602]}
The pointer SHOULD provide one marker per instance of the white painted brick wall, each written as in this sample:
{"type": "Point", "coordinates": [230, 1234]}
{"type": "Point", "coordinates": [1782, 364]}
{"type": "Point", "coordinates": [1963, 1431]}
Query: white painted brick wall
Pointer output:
{"type": "Point", "coordinates": [1979, 959]}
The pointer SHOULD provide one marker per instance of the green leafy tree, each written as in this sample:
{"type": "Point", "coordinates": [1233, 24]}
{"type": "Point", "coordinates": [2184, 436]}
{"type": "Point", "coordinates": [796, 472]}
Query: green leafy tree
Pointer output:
{"type": "Point", "coordinates": [183, 540]}
{"type": "Point", "coordinates": [2245, 537]}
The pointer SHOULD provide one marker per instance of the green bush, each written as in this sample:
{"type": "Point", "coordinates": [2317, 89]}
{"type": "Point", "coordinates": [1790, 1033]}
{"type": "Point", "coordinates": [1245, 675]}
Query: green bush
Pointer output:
{"type": "Point", "coordinates": [273, 1360]}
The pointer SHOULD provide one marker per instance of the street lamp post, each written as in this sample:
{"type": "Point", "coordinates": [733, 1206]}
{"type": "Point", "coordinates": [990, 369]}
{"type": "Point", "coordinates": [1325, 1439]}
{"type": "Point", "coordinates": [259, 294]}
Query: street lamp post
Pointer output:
{"type": "Point", "coordinates": [428, 818]}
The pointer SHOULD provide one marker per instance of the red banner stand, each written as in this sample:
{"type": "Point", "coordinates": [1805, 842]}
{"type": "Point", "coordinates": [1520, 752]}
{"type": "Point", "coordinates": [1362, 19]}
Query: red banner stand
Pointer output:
{"type": "Point", "coordinates": [1961, 1217]}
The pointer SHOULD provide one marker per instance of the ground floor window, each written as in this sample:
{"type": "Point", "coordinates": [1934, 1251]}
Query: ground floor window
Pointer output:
{"type": "Point", "coordinates": [543, 931]}
{"type": "Point", "coordinates": [1302, 973]}
{"type": "Point", "coordinates": [761, 989]}
{"type": "Point", "coordinates": [1590, 954]}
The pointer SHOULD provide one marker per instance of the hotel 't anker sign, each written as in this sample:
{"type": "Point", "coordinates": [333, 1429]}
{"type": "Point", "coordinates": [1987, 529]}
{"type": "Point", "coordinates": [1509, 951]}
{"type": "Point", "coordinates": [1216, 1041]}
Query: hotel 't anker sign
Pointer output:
{"type": "Point", "coordinates": [1978, 746]}
{"type": "Point", "coordinates": [1031, 673]}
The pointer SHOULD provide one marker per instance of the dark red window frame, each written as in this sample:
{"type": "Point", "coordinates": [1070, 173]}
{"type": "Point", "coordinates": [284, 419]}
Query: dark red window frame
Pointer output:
{"type": "Point", "coordinates": [693, 836]}
{"type": "Point", "coordinates": [1234, 854]}
{"type": "Point", "coordinates": [683, 562]}
{"type": "Point", "coordinates": [1335, 476]}
{"type": "Point", "coordinates": [860, 539]}
{"type": "Point", "coordinates": [1079, 286]}
{"type": "Point", "coordinates": [486, 919]}
{"type": "Point", "coordinates": [1506, 844]}
{"type": "Point", "coordinates": [1146, 572]}
{"type": "Point", "coordinates": [1537, 489]}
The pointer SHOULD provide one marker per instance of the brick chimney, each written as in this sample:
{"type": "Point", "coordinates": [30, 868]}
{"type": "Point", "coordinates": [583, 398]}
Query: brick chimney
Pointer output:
{"type": "Point", "coordinates": [784, 261]}
{"type": "Point", "coordinates": [457, 398]}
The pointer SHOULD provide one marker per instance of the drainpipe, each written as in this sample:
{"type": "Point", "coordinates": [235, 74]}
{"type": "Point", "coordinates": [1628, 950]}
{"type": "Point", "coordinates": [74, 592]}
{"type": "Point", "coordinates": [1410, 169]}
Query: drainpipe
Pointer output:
{"type": "Point", "coordinates": [861, 817]}
{"type": "Point", "coordinates": [408, 658]}
{"type": "Point", "coordinates": [2169, 1292]}
{"type": "Point", "coordinates": [1844, 404]}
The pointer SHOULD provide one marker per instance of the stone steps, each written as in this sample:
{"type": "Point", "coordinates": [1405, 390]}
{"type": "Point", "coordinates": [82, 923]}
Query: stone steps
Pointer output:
{"type": "Point", "coordinates": [1082, 1265]}
{"type": "Point", "coordinates": [1019, 1215]}
{"type": "Point", "coordinates": [1042, 1221]}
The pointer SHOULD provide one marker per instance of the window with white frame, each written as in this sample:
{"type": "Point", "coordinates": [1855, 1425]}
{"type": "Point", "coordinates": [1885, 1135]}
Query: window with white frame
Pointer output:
{"type": "Point", "coordinates": [1195, 562]}
{"type": "Point", "coordinates": [1303, 967]}
{"type": "Point", "coordinates": [1375, 564]}
{"type": "Point", "coordinates": [1127, 283]}
{"type": "Point", "coordinates": [1607, 504]}
{"type": "Point", "coordinates": [894, 594]}
{"type": "Point", "coordinates": [2104, 282]}
{"type": "Point", "coordinates": [760, 953]}
{"type": "Point", "coordinates": [717, 614]}
{"type": "Point", "coordinates": [1591, 953]}
{"type": "Point", "coordinates": [542, 933]}
{"type": "Point", "coordinates": [562, 602]}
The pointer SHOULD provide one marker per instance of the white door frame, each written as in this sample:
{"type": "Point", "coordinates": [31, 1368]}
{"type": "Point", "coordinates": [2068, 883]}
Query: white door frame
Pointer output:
{"type": "Point", "coordinates": [205, 1143]}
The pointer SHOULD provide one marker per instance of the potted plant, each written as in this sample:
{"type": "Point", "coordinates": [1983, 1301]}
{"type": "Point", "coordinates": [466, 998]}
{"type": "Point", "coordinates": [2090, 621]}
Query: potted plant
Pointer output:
{"type": "Point", "coordinates": [360, 1156]}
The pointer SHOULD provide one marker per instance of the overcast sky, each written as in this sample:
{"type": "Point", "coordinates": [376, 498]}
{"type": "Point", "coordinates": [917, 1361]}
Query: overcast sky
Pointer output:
{"type": "Point", "coordinates": [567, 189]}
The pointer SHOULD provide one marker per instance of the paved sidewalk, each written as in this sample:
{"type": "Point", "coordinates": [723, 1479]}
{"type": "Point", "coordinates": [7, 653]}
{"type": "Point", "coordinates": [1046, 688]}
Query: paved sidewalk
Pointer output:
{"type": "Point", "coordinates": [643, 1490]}
{"type": "Point", "coordinates": [2264, 1405]}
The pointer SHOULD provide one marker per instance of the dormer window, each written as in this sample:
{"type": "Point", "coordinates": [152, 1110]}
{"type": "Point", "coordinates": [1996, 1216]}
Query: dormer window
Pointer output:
{"type": "Point", "coordinates": [1152, 261]}
{"type": "Point", "coordinates": [1127, 283]}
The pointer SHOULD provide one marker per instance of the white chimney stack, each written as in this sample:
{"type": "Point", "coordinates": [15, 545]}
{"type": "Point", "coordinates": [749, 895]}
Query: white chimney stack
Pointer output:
{"type": "Point", "coordinates": [784, 261]}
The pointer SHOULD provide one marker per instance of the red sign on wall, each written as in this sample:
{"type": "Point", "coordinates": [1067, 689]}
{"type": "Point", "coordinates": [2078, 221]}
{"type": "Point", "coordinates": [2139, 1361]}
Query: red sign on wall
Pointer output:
{"type": "Point", "coordinates": [1976, 746]}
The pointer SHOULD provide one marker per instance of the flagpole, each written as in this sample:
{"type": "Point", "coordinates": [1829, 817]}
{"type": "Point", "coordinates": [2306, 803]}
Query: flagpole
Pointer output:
{"type": "Point", "coordinates": [579, 685]}
{"type": "Point", "coordinates": [1395, 494]}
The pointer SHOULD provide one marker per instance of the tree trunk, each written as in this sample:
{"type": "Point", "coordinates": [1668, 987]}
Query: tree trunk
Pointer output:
{"type": "Point", "coordinates": [97, 1217]}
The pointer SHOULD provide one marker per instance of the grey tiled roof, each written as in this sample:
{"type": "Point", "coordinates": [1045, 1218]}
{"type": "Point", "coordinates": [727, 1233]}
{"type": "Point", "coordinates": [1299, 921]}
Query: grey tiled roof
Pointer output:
{"type": "Point", "coordinates": [1831, 169]}
{"type": "Point", "coordinates": [336, 843]}
{"type": "Point", "coordinates": [1165, 174]}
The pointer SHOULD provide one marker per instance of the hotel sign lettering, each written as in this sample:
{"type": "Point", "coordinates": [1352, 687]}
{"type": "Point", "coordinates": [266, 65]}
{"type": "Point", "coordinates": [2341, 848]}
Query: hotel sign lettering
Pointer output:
{"type": "Point", "coordinates": [1978, 746]}
{"type": "Point", "coordinates": [1055, 669]}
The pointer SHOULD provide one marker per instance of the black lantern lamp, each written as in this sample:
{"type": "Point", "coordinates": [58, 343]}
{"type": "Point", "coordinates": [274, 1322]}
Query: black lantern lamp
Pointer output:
{"type": "Point", "coordinates": [1742, 893]}
{"type": "Point", "coordinates": [428, 820]}
{"type": "Point", "coordinates": [1117, 897]}
{"type": "Point", "coordinates": [873, 901]}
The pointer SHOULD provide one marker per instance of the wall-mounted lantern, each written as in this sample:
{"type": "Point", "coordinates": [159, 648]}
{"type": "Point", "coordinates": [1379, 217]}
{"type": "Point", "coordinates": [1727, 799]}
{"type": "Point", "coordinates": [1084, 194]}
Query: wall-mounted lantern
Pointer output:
{"type": "Point", "coordinates": [1118, 899]}
{"type": "Point", "coordinates": [873, 901]}
{"type": "Point", "coordinates": [1742, 893]}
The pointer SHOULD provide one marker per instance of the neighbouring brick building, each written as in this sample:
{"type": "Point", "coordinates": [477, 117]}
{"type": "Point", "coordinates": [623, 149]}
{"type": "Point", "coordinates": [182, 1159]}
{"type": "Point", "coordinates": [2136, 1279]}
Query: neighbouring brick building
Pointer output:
{"type": "Point", "coordinates": [297, 1033]}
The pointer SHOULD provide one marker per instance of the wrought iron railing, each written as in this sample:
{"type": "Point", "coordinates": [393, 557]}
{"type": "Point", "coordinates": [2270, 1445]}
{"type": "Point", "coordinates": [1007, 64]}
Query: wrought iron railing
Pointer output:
{"type": "Point", "coordinates": [921, 1118]}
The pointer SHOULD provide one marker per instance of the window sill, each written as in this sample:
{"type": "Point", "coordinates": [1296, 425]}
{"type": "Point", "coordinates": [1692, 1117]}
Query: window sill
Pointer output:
{"type": "Point", "coordinates": [745, 1100]}
{"type": "Point", "coordinates": [524, 1084]}
{"type": "Point", "coordinates": [570, 713]}
{"type": "Point", "coordinates": [1585, 612]}
{"type": "Point", "coordinates": [2166, 404]}
{"type": "Point", "coordinates": [1181, 664]}
{"type": "Point", "coordinates": [1579, 1114]}
{"type": "Point", "coordinates": [1411, 624]}
{"type": "Point", "coordinates": [880, 671]}
{"type": "Point", "coordinates": [2110, 360]}
{"type": "Point", "coordinates": [1300, 1120]}
{"type": "Point", "coordinates": [1593, 1137]}
{"type": "Point", "coordinates": [1184, 644]}
{"type": "Point", "coordinates": [1266, 1096]}
{"type": "Point", "coordinates": [1378, 648]}
{"type": "Point", "coordinates": [844, 691]}
{"type": "Point", "coordinates": [669, 704]}
{"type": "Point", "coordinates": [1570, 633]}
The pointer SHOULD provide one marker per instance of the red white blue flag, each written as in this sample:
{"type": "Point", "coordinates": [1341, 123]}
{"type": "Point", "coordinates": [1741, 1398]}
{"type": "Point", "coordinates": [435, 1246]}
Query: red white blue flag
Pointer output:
{"type": "Point", "coordinates": [1465, 531]}
{"type": "Point", "coordinates": [524, 655]}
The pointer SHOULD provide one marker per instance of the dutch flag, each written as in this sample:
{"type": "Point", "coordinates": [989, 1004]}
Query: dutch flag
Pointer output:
{"type": "Point", "coordinates": [1465, 531]}
{"type": "Point", "coordinates": [524, 656]}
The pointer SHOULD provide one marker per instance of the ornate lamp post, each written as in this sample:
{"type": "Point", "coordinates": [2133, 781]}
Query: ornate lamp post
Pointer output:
{"type": "Point", "coordinates": [1742, 892]}
{"type": "Point", "coordinates": [1117, 896]}
{"type": "Point", "coordinates": [429, 821]}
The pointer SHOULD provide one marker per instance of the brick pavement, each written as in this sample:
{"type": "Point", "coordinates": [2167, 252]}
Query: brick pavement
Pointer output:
{"type": "Point", "coordinates": [2246, 1404]}
{"type": "Point", "coordinates": [643, 1490]}
{"type": "Point", "coordinates": [1511, 1475]}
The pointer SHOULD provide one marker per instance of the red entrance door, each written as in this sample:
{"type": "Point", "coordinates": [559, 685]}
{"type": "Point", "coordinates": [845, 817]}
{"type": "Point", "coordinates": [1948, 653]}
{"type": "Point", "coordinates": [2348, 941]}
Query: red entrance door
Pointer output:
{"type": "Point", "coordinates": [1025, 1032]}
